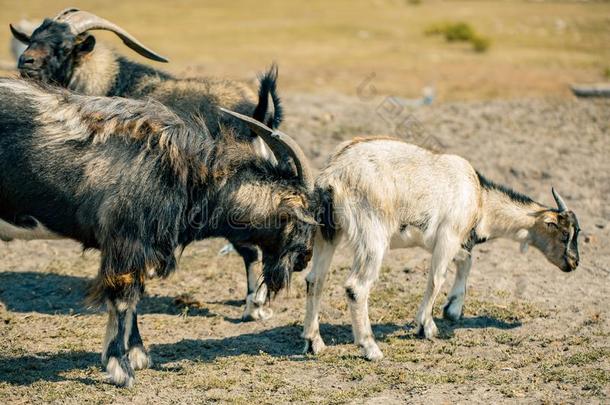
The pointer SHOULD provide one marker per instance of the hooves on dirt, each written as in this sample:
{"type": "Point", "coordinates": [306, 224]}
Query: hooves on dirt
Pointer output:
{"type": "Point", "coordinates": [120, 372]}
{"type": "Point", "coordinates": [314, 345]}
{"type": "Point", "coordinates": [255, 310]}
{"type": "Point", "coordinates": [428, 330]}
{"type": "Point", "coordinates": [372, 352]}
{"type": "Point", "coordinates": [139, 358]}
{"type": "Point", "coordinates": [453, 310]}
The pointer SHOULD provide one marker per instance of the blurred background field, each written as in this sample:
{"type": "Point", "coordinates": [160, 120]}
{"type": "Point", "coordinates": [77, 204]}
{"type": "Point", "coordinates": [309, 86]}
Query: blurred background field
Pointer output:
{"type": "Point", "coordinates": [535, 48]}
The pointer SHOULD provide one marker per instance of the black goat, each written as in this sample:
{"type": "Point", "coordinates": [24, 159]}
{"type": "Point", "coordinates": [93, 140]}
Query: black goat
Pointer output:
{"type": "Point", "coordinates": [138, 182]}
{"type": "Point", "coordinates": [62, 52]}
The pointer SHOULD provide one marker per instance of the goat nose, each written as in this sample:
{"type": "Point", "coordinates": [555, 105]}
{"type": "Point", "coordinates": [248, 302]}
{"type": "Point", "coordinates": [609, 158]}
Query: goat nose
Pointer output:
{"type": "Point", "coordinates": [25, 61]}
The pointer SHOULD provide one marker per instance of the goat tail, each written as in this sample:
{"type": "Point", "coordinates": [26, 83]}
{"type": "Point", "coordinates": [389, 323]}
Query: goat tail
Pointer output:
{"type": "Point", "coordinates": [268, 87]}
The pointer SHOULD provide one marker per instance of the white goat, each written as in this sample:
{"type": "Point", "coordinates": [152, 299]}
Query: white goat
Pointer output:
{"type": "Point", "coordinates": [383, 193]}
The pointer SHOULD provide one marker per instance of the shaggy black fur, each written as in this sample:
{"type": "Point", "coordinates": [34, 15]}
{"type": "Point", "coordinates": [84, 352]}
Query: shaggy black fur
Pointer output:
{"type": "Point", "coordinates": [326, 216]}
{"type": "Point", "coordinates": [268, 86]}
{"type": "Point", "coordinates": [54, 54]}
{"type": "Point", "coordinates": [141, 195]}
{"type": "Point", "coordinates": [130, 75]}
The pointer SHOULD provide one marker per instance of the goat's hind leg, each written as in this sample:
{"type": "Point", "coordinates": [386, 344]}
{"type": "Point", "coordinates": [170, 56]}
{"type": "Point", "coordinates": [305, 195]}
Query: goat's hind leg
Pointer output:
{"type": "Point", "coordinates": [115, 356]}
{"type": "Point", "coordinates": [138, 355]}
{"type": "Point", "coordinates": [323, 252]}
{"type": "Point", "coordinates": [121, 293]}
{"type": "Point", "coordinates": [446, 247]}
{"type": "Point", "coordinates": [365, 271]}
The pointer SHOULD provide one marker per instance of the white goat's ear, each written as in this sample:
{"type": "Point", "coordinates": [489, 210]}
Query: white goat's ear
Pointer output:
{"type": "Point", "coordinates": [551, 222]}
{"type": "Point", "coordinates": [550, 218]}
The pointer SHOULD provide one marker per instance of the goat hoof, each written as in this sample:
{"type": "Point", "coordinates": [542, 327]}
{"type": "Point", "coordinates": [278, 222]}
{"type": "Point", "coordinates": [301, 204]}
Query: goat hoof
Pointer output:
{"type": "Point", "coordinates": [139, 358]}
{"type": "Point", "coordinates": [373, 353]}
{"type": "Point", "coordinates": [314, 346]}
{"type": "Point", "coordinates": [247, 318]}
{"type": "Point", "coordinates": [451, 316]}
{"type": "Point", "coordinates": [452, 311]}
{"type": "Point", "coordinates": [258, 314]}
{"type": "Point", "coordinates": [428, 331]}
{"type": "Point", "coordinates": [120, 372]}
{"type": "Point", "coordinates": [255, 311]}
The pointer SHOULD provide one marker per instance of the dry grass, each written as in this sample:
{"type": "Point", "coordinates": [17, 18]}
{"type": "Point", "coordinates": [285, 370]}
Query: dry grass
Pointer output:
{"type": "Point", "coordinates": [539, 48]}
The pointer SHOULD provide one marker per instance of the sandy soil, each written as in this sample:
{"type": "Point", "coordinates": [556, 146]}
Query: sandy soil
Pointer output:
{"type": "Point", "coordinates": [530, 333]}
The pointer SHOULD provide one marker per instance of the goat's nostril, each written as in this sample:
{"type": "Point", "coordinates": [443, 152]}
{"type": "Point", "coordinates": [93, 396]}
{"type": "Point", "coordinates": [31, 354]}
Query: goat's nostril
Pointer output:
{"type": "Point", "coordinates": [25, 60]}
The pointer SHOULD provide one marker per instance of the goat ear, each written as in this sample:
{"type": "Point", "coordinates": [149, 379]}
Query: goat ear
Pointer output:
{"type": "Point", "coordinates": [305, 217]}
{"type": "Point", "coordinates": [20, 35]}
{"type": "Point", "coordinates": [550, 218]}
{"type": "Point", "coordinates": [297, 212]}
{"type": "Point", "coordinates": [84, 45]}
{"type": "Point", "coordinates": [294, 206]}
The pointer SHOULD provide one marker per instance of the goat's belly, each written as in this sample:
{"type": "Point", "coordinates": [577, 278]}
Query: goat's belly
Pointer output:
{"type": "Point", "coordinates": [410, 237]}
{"type": "Point", "coordinates": [37, 231]}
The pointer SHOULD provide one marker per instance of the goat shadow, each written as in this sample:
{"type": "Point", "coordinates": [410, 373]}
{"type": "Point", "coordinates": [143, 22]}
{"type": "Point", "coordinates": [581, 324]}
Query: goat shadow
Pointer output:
{"type": "Point", "coordinates": [57, 294]}
{"type": "Point", "coordinates": [447, 328]}
{"type": "Point", "coordinates": [282, 341]}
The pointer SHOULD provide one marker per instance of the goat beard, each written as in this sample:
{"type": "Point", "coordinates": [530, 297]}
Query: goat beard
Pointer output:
{"type": "Point", "coordinates": [277, 274]}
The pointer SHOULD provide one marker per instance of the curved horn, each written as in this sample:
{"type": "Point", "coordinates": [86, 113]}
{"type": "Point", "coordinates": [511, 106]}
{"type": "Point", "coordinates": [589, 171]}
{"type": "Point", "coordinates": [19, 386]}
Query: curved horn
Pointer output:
{"type": "Point", "coordinates": [20, 35]}
{"type": "Point", "coordinates": [82, 21]}
{"type": "Point", "coordinates": [282, 145]}
{"type": "Point", "coordinates": [561, 205]}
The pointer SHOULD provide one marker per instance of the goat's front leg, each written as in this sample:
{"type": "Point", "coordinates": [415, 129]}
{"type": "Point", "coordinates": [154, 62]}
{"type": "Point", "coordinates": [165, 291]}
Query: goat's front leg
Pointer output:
{"type": "Point", "coordinates": [364, 273]}
{"type": "Point", "coordinates": [446, 247]}
{"type": "Point", "coordinates": [454, 307]}
{"type": "Point", "coordinates": [114, 356]}
{"type": "Point", "coordinates": [323, 252]}
{"type": "Point", "coordinates": [256, 297]}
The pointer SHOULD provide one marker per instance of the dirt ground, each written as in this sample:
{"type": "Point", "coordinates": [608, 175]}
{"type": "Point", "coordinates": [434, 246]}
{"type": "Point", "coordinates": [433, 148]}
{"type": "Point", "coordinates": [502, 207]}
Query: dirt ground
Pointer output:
{"type": "Point", "coordinates": [530, 332]}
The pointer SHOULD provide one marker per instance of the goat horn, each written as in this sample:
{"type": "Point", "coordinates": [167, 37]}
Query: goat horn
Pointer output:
{"type": "Point", "coordinates": [83, 21]}
{"type": "Point", "coordinates": [283, 146]}
{"type": "Point", "coordinates": [561, 205]}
